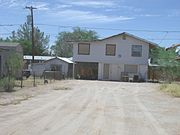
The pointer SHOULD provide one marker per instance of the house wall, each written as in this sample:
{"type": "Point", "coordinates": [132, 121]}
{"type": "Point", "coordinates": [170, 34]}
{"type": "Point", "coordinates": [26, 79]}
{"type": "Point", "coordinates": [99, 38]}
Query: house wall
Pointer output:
{"type": "Point", "coordinates": [123, 48]}
{"type": "Point", "coordinates": [115, 71]}
{"type": "Point", "coordinates": [122, 56]}
{"type": "Point", "coordinates": [38, 68]}
{"type": "Point", "coordinates": [58, 62]}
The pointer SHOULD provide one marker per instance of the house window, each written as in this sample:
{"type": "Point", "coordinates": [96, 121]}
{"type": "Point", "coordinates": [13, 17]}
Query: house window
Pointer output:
{"type": "Point", "coordinates": [130, 68]}
{"type": "Point", "coordinates": [84, 48]}
{"type": "Point", "coordinates": [111, 49]}
{"type": "Point", "coordinates": [136, 50]}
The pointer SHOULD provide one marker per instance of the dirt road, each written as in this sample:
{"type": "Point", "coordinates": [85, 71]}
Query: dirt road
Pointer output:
{"type": "Point", "coordinates": [94, 108]}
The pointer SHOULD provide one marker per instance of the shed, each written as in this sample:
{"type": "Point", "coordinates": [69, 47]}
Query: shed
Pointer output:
{"type": "Point", "coordinates": [63, 65]}
{"type": "Point", "coordinates": [6, 49]}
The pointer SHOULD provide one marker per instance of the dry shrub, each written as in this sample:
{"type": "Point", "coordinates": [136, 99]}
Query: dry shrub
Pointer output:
{"type": "Point", "coordinates": [172, 89]}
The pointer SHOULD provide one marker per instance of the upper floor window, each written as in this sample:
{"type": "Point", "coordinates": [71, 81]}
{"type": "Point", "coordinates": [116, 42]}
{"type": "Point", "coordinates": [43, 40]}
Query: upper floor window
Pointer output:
{"type": "Point", "coordinates": [84, 48]}
{"type": "Point", "coordinates": [111, 49]}
{"type": "Point", "coordinates": [136, 50]}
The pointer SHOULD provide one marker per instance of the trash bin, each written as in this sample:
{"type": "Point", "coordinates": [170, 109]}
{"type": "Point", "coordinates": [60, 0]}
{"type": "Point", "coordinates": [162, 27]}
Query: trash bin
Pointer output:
{"type": "Point", "coordinates": [136, 78]}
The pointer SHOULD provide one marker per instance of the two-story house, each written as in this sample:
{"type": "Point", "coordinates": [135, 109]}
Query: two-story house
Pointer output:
{"type": "Point", "coordinates": [112, 58]}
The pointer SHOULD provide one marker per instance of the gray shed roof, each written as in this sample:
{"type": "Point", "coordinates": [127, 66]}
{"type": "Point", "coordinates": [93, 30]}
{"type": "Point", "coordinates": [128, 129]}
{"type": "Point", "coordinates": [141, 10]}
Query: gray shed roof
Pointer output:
{"type": "Point", "coordinates": [9, 44]}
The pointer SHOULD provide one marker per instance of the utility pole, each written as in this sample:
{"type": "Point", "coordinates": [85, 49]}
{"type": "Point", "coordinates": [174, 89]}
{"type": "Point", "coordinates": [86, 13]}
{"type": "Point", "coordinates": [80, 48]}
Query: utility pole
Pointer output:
{"type": "Point", "coordinates": [31, 8]}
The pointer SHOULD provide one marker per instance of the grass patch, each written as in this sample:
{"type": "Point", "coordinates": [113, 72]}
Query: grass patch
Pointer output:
{"type": "Point", "coordinates": [29, 82]}
{"type": "Point", "coordinates": [172, 89]}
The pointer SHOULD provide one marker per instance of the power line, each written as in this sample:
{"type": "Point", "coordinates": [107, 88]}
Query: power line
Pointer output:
{"type": "Point", "coordinates": [157, 39]}
{"type": "Point", "coordinates": [163, 37]}
{"type": "Point", "coordinates": [9, 25]}
{"type": "Point", "coordinates": [100, 28]}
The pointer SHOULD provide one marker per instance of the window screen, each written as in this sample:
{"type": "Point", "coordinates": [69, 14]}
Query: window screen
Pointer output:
{"type": "Point", "coordinates": [110, 49]}
{"type": "Point", "coordinates": [136, 50]}
{"type": "Point", "coordinates": [83, 48]}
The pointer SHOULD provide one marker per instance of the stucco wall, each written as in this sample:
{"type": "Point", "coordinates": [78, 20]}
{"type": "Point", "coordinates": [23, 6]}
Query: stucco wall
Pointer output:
{"type": "Point", "coordinates": [122, 56]}
{"type": "Point", "coordinates": [123, 51]}
{"type": "Point", "coordinates": [39, 68]}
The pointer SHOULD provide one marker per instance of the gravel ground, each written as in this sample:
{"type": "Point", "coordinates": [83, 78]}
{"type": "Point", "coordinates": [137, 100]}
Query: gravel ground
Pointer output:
{"type": "Point", "coordinates": [78, 107]}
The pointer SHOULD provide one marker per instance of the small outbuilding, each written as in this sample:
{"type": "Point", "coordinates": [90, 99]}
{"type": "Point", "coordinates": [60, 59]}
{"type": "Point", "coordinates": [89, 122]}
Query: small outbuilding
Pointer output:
{"type": "Point", "coordinates": [63, 66]}
{"type": "Point", "coordinates": [6, 49]}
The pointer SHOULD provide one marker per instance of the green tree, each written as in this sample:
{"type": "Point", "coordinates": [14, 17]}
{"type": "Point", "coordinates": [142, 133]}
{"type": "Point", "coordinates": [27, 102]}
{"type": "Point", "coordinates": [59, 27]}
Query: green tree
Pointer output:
{"type": "Point", "coordinates": [63, 46]}
{"type": "Point", "coordinates": [24, 35]}
{"type": "Point", "coordinates": [5, 40]}
{"type": "Point", "coordinates": [168, 65]}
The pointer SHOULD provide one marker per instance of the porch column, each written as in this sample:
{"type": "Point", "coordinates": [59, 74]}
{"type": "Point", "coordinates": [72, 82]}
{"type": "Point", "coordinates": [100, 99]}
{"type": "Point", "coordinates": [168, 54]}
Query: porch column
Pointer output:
{"type": "Point", "coordinates": [73, 69]}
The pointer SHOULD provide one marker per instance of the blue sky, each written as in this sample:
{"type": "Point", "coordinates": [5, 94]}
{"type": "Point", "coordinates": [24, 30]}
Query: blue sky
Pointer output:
{"type": "Point", "coordinates": [115, 16]}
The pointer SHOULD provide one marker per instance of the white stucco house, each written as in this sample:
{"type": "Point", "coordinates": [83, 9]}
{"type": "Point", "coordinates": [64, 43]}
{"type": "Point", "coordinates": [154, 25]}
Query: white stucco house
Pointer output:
{"type": "Point", "coordinates": [112, 58]}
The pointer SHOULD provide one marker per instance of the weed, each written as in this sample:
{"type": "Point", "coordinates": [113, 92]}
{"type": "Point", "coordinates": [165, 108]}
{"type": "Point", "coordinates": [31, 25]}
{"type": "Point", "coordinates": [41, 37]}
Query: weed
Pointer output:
{"type": "Point", "coordinates": [172, 89]}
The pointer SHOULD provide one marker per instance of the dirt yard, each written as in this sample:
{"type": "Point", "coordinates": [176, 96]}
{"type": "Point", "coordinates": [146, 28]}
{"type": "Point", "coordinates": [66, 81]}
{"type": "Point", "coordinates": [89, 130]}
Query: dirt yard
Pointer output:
{"type": "Point", "coordinates": [77, 107]}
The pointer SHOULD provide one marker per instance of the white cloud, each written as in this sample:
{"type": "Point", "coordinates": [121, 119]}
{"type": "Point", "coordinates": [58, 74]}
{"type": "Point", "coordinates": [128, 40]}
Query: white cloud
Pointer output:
{"type": "Point", "coordinates": [63, 6]}
{"type": "Point", "coordinates": [23, 3]}
{"type": "Point", "coordinates": [40, 5]}
{"type": "Point", "coordinates": [12, 3]}
{"type": "Point", "coordinates": [149, 15]}
{"type": "Point", "coordinates": [94, 4]}
{"type": "Point", "coordinates": [87, 16]}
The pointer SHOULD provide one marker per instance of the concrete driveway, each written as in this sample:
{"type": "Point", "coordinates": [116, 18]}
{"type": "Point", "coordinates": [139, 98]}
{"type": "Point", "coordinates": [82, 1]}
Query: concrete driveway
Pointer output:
{"type": "Point", "coordinates": [77, 107]}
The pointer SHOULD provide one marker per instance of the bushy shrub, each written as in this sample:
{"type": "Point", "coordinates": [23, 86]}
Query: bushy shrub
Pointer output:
{"type": "Point", "coordinates": [172, 89]}
{"type": "Point", "coordinates": [7, 83]}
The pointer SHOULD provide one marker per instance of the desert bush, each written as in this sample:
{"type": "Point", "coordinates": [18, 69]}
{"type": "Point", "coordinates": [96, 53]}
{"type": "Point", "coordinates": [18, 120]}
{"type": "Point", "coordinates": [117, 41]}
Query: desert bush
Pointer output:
{"type": "Point", "coordinates": [172, 89]}
{"type": "Point", "coordinates": [7, 83]}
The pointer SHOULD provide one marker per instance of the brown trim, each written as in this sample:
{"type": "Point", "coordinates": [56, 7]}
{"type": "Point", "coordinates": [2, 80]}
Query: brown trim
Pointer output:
{"type": "Point", "coordinates": [114, 50]}
{"type": "Point", "coordinates": [88, 48]}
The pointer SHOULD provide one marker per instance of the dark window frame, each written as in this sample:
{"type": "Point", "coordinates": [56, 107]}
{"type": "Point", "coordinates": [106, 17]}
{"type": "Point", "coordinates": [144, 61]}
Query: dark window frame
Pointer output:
{"type": "Point", "coordinates": [80, 53]}
{"type": "Point", "coordinates": [134, 53]}
{"type": "Point", "coordinates": [114, 54]}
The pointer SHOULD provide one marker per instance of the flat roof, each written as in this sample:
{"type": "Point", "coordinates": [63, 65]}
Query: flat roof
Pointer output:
{"type": "Point", "coordinates": [8, 44]}
{"type": "Point", "coordinates": [45, 58]}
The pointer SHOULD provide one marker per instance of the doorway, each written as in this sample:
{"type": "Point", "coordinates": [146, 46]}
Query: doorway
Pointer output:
{"type": "Point", "coordinates": [106, 72]}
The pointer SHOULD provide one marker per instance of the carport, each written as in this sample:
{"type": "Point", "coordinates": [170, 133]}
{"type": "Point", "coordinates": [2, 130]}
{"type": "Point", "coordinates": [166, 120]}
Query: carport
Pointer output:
{"type": "Point", "coordinates": [86, 70]}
